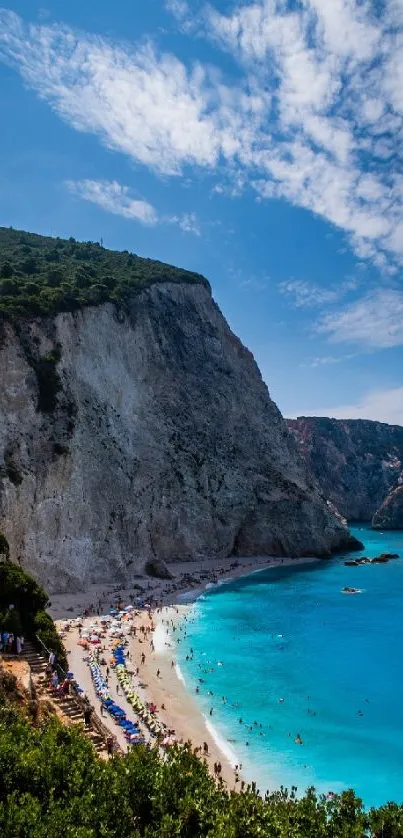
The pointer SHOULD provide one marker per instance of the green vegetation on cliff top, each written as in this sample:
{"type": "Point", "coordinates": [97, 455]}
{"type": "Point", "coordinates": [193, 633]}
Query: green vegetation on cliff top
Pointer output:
{"type": "Point", "coordinates": [43, 276]}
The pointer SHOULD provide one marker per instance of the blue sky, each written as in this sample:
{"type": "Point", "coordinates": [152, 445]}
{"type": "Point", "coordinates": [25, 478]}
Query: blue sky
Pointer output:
{"type": "Point", "coordinates": [258, 143]}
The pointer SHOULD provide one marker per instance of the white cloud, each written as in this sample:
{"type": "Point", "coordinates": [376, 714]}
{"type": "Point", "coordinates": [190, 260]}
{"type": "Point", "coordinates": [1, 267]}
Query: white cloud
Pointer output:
{"type": "Point", "coordinates": [326, 360]}
{"type": "Point", "coordinates": [380, 405]}
{"type": "Point", "coordinates": [375, 320]}
{"type": "Point", "coordinates": [189, 223]}
{"type": "Point", "coordinates": [308, 295]}
{"type": "Point", "coordinates": [145, 105]}
{"type": "Point", "coordinates": [314, 115]}
{"type": "Point", "coordinates": [337, 79]}
{"type": "Point", "coordinates": [178, 8]}
{"type": "Point", "coordinates": [115, 198]}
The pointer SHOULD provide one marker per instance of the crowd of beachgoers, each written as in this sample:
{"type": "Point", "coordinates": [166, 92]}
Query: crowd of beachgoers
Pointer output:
{"type": "Point", "coordinates": [109, 633]}
{"type": "Point", "coordinates": [111, 656]}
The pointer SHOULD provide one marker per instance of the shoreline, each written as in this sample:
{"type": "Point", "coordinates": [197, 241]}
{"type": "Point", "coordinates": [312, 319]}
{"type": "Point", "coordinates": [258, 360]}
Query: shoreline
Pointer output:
{"type": "Point", "coordinates": [186, 586]}
{"type": "Point", "coordinates": [160, 680]}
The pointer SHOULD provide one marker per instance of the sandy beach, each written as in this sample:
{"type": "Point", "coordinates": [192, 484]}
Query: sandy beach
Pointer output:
{"type": "Point", "coordinates": [156, 678]}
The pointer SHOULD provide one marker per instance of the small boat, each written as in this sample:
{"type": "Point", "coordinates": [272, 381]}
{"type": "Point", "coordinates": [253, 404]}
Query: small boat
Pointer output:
{"type": "Point", "coordinates": [347, 590]}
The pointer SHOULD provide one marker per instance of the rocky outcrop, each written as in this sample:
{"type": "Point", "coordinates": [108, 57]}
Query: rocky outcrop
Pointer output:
{"type": "Point", "coordinates": [356, 462]}
{"type": "Point", "coordinates": [389, 516]}
{"type": "Point", "coordinates": [141, 433]}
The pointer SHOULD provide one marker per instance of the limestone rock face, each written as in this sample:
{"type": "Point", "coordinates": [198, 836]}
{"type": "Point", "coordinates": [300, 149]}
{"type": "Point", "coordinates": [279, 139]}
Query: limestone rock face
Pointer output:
{"type": "Point", "coordinates": [356, 462]}
{"type": "Point", "coordinates": [389, 516]}
{"type": "Point", "coordinates": [146, 433]}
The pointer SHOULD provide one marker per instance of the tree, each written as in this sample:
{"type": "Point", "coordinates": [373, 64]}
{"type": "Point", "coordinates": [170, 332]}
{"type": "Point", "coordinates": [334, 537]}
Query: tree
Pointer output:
{"type": "Point", "coordinates": [29, 266]}
{"type": "Point", "coordinates": [55, 277]}
{"type": "Point", "coordinates": [9, 288]}
{"type": "Point", "coordinates": [6, 270]}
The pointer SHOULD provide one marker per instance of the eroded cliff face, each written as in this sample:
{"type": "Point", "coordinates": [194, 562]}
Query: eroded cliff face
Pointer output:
{"type": "Point", "coordinates": [389, 516]}
{"type": "Point", "coordinates": [355, 461]}
{"type": "Point", "coordinates": [145, 433]}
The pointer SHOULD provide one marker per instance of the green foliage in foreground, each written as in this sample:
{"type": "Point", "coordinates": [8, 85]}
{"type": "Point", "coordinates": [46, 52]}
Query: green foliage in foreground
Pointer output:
{"type": "Point", "coordinates": [28, 616]}
{"type": "Point", "coordinates": [41, 275]}
{"type": "Point", "coordinates": [52, 784]}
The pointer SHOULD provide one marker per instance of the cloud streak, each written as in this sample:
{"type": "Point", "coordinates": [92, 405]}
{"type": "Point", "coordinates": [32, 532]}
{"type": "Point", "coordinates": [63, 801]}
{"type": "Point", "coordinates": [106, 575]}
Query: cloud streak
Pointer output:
{"type": "Point", "coordinates": [314, 115]}
{"type": "Point", "coordinates": [113, 197]}
{"type": "Point", "coordinates": [375, 321]}
{"type": "Point", "coordinates": [116, 198]}
{"type": "Point", "coordinates": [308, 295]}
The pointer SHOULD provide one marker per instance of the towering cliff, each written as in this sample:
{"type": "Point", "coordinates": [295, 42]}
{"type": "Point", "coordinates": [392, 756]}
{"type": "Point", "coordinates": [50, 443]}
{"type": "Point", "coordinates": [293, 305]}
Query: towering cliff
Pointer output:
{"type": "Point", "coordinates": [355, 461]}
{"type": "Point", "coordinates": [144, 429]}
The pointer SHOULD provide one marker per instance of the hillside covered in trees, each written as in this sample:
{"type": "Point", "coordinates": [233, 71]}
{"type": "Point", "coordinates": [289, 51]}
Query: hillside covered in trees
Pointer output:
{"type": "Point", "coordinates": [41, 275]}
{"type": "Point", "coordinates": [53, 784]}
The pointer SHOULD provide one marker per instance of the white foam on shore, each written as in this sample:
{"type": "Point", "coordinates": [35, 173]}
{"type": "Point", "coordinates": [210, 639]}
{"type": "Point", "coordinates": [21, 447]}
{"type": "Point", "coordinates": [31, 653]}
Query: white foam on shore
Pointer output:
{"type": "Point", "coordinates": [222, 744]}
{"type": "Point", "coordinates": [161, 639]}
{"type": "Point", "coordinates": [179, 674]}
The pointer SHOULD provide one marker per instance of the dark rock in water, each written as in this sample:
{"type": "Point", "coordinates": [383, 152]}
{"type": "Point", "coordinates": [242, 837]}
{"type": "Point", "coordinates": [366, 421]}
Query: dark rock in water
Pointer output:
{"type": "Point", "coordinates": [355, 461]}
{"type": "Point", "coordinates": [158, 569]}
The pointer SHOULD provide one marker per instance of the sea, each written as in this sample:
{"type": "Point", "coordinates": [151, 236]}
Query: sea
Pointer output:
{"type": "Point", "coordinates": [305, 683]}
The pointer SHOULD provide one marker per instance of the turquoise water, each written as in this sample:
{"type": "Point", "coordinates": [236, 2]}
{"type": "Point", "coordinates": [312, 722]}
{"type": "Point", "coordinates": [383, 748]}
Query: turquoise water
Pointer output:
{"type": "Point", "coordinates": [290, 634]}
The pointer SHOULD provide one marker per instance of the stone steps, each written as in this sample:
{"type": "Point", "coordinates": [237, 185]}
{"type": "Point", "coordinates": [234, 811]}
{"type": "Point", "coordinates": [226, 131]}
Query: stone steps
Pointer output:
{"type": "Point", "coordinates": [70, 708]}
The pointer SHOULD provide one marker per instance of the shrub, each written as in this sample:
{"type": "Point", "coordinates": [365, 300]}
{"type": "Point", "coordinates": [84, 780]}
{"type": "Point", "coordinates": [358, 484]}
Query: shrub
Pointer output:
{"type": "Point", "coordinates": [44, 627]}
